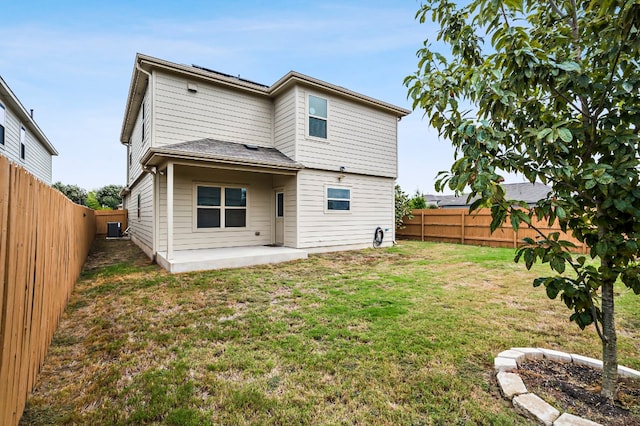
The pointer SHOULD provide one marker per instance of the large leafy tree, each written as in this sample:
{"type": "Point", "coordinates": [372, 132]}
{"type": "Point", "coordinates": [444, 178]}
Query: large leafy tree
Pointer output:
{"type": "Point", "coordinates": [109, 196]}
{"type": "Point", "coordinates": [72, 192]}
{"type": "Point", "coordinates": [550, 90]}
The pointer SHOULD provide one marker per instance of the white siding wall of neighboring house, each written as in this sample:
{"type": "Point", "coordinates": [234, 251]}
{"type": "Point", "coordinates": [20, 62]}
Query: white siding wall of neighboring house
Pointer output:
{"type": "Point", "coordinates": [37, 159]}
{"type": "Point", "coordinates": [371, 206]}
{"type": "Point", "coordinates": [285, 123]}
{"type": "Point", "coordinates": [141, 223]}
{"type": "Point", "coordinates": [260, 209]}
{"type": "Point", "coordinates": [211, 112]}
{"type": "Point", "coordinates": [360, 138]}
{"type": "Point", "coordinates": [11, 147]}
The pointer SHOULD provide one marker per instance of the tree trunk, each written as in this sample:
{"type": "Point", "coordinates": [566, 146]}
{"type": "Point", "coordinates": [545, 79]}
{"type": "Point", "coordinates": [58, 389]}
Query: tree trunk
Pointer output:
{"type": "Point", "coordinates": [609, 347]}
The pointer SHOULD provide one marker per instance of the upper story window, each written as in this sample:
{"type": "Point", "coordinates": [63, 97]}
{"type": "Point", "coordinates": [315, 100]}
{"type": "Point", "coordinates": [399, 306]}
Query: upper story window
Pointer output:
{"type": "Point", "coordinates": [220, 207]}
{"type": "Point", "coordinates": [143, 115]}
{"type": "Point", "coordinates": [317, 117]}
{"type": "Point", "coordinates": [23, 137]}
{"type": "Point", "coordinates": [338, 199]}
{"type": "Point", "coordinates": [2, 123]}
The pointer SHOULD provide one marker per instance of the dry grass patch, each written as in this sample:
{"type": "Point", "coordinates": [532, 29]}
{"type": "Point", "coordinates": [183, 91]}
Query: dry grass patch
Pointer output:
{"type": "Point", "coordinates": [404, 335]}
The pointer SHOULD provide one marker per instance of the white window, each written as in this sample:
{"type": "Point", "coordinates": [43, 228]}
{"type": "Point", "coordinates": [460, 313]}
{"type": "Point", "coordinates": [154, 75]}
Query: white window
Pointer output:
{"type": "Point", "coordinates": [338, 199]}
{"type": "Point", "coordinates": [143, 115]}
{"type": "Point", "coordinates": [23, 149]}
{"type": "Point", "coordinates": [317, 117]}
{"type": "Point", "coordinates": [2, 123]}
{"type": "Point", "coordinates": [221, 207]}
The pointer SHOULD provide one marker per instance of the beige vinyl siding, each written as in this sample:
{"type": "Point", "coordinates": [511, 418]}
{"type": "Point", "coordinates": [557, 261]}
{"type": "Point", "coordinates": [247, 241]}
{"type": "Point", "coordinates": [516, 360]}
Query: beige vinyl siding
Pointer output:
{"type": "Point", "coordinates": [285, 123]}
{"type": "Point", "coordinates": [138, 146]}
{"type": "Point", "coordinates": [371, 206]}
{"type": "Point", "coordinates": [361, 138]}
{"type": "Point", "coordinates": [259, 209]}
{"type": "Point", "coordinates": [141, 228]}
{"type": "Point", "coordinates": [161, 243]}
{"type": "Point", "coordinates": [212, 112]}
{"type": "Point", "coordinates": [37, 159]}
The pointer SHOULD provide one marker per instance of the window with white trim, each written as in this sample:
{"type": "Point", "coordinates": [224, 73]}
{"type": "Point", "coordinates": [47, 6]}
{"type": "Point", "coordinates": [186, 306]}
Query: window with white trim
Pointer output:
{"type": "Point", "coordinates": [338, 199]}
{"type": "Point", "coordinates": [23, 147]}
{"type": "Point", "coordinates": [317, 117]}
{"type": "Point", "coordinates": [221, 207]}
{"type": "Point", "coordinates": [2, 123]}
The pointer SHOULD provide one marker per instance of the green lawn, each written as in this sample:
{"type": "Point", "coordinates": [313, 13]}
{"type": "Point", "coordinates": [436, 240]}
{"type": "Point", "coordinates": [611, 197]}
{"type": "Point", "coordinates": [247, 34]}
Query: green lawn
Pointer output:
{"type": "Point", "coordinates": [405, 335]}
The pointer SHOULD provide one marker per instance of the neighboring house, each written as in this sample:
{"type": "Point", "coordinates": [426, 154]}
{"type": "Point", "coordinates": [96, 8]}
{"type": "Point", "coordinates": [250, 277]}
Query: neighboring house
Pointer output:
{"type": "Point", "coordinates": [219, 162]}
{"type": "Point", "coordinates": [528, 192]}
{"type": "Point", "coordinates": [21, 140]}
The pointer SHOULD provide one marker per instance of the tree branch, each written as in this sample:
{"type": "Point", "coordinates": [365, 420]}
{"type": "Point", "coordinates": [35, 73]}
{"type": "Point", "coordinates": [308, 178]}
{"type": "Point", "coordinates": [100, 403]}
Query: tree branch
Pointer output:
{"type": "Point", "coordinates": [570, 102]}
{"type": "Point", "coordinates": [624, 36]}
{"type": "Point", "coordinates": [594, 313]}
{"type": "Point", "coordinates": [504, 15]}
{"type": "Point", "coordinates": [555, 8]}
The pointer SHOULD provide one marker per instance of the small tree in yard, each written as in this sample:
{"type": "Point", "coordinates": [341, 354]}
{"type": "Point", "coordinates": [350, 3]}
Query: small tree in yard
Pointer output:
{"type": "Point", "coordinates": [553, 94]}
{"type": "Point", "coordinates": [418, 201]}
{"type": "Point", "coordinates": [92, 201]}
{"type": "Point", "coordinates": [403, 208]}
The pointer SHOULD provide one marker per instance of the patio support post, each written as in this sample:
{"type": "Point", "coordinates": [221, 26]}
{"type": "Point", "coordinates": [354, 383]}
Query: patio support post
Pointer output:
{"type": "Point", "coordinates": [170, 211]}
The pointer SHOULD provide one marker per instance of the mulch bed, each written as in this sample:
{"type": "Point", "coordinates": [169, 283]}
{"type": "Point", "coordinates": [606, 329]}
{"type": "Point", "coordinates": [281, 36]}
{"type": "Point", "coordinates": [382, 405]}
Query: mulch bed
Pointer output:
{"type": "Point", "coordinates": [576, 389]}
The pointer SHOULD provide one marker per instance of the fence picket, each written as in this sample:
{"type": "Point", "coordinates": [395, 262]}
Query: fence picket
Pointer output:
{"type": "Point", "coordinates": [458, 226]}
{"type": "Point", "coordinates": [41, 256]}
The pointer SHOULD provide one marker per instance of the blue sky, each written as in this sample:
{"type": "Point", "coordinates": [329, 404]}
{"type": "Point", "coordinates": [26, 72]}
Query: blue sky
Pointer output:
{"type": "Point", "coordinates": [71, 61]}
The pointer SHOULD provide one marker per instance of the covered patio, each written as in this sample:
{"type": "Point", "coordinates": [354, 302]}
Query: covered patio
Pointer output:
{"type": "Point", "coordinates": [228, 257]}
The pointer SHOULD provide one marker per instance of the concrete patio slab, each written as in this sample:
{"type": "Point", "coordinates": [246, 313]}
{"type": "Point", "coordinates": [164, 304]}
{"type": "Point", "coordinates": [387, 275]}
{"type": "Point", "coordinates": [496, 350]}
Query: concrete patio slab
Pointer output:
{"type": "Point", "coordinates": [230, 257]}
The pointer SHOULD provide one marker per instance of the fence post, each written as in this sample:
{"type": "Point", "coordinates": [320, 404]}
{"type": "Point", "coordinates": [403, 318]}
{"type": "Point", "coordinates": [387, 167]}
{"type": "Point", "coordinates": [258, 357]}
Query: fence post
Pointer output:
{"type": "Point", "coordinates": [421, 225]}
{"type": "Point", "coordinates": [462, 230]}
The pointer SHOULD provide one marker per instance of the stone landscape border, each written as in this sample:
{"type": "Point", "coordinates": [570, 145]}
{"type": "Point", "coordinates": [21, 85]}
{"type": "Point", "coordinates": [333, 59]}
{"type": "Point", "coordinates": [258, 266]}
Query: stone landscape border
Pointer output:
{"type": "Point", "coordinates": [531, 405]}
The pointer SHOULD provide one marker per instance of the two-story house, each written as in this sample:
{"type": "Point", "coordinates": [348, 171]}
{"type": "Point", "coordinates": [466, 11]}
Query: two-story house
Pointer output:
{"type": "Point", "coordinates": [219, 166]}
{"type": "Point", "coordinates": [21, 140]}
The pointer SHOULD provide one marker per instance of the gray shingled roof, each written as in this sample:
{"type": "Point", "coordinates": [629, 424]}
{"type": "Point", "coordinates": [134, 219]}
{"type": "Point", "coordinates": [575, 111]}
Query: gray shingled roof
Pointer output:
{"type": "Point", "coordinates": [226, 152]}
{"type": "Point", "coordinates": [527, 192]}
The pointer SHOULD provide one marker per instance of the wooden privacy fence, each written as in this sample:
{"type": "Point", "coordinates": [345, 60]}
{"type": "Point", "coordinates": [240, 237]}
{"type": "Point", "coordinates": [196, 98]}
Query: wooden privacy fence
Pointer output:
{"type": "Point", "coordinates": [105, 216]}
{"type": "Point", "coordinates": [44, 241]}
{"type": "Point", "coordinates": [458, 226]}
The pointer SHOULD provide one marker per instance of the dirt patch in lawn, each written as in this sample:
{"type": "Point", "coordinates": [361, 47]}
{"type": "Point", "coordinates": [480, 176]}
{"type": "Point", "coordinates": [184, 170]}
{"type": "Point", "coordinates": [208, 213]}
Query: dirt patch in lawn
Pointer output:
{"type": "Point", "coordinates": [111, 252]}
{"type": "Point", "coordinates": [575, 389]}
